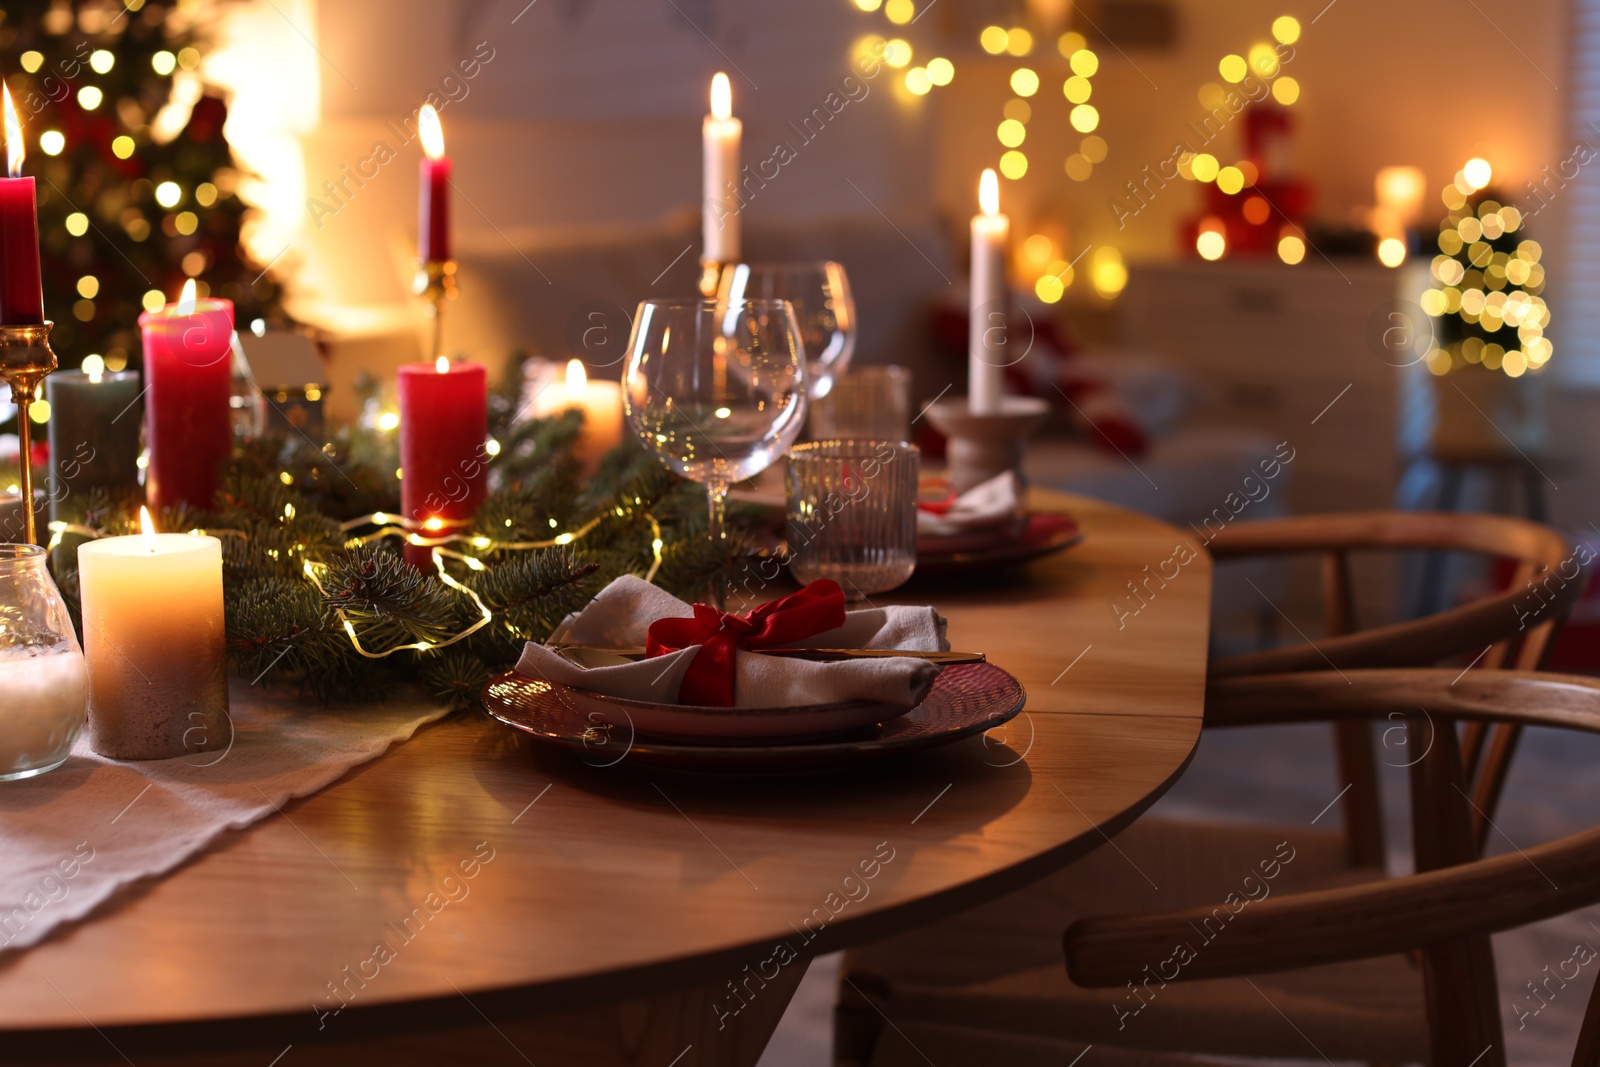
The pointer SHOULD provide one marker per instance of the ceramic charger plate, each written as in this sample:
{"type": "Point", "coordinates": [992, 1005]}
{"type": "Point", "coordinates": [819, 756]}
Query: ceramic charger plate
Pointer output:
{"type": "Point", "coordinates": [965, 699]}
{"type": "Point", "coordinates": [1044, 534]}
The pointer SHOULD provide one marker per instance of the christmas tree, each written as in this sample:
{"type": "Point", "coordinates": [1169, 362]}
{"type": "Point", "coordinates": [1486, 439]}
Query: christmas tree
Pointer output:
{"type": "Point", "coordinates": [1487, 301]}
{"type": "Point", "coordinates": [136, 185]}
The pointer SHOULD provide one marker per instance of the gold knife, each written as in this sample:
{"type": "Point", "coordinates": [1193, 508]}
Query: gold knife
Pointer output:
{"type": "Point", "coordinates": [944, 659]}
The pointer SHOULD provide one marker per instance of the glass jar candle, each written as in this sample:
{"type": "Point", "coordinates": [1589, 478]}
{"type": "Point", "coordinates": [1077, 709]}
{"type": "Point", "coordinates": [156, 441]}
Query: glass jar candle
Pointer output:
{"type": "Point", "coordinates": [42, 673]}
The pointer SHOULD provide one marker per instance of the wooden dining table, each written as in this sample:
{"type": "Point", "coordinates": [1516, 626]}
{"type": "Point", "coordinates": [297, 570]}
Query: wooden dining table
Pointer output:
{"type": "Point", "coordinates": [474, 897]}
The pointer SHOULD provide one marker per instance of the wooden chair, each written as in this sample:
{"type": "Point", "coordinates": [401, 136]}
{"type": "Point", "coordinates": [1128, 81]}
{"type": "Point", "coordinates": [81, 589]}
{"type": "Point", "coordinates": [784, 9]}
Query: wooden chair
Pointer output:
{"type": "Point", "coordinates": [1514, 627]}
{"type": "Point", "coordinates": [1396, 970]}
{"type": "Point", "coordinates": [1194, 863]}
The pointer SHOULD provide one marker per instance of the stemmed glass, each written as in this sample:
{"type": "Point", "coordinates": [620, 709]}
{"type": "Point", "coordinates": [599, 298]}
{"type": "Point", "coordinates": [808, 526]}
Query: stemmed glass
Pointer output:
{"type": "Point", "coordinates": [824, 308]}
{"type": "Point", "coordinates": [715, 390]}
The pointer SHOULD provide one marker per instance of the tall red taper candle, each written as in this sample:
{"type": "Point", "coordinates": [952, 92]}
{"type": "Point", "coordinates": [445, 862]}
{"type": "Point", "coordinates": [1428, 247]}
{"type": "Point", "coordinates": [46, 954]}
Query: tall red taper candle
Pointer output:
{"type": "Point", "coordinates": [433, 220]}
{"type": "Point", "coordinates": [188, 378]}
{"type": "Point", "coordinates": [443, 425]}
{"type": "Point", "coordinates": [21, 296]}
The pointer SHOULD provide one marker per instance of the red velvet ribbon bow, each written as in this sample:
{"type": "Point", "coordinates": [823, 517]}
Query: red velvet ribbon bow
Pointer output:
{"type": "Point", "coordinates": [816, 609]}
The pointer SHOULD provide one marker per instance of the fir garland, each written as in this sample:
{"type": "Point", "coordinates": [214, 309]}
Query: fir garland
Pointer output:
{"type": "Point", "coordinates": [284, 505]}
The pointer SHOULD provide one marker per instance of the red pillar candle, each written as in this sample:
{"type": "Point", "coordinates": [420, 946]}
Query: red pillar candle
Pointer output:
{"type": "Point", "coordinates": [433, 220]}
{"type": "Point", "coordinates": [188, 378]}
{"type": "Point", "coordinates": [443, 425]}
{"type": "Point", "coordinates": [21, 296]}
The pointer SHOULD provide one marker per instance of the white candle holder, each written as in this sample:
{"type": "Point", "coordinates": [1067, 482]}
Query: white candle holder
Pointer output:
{"type": "Point", "coordinates": [983, 446]}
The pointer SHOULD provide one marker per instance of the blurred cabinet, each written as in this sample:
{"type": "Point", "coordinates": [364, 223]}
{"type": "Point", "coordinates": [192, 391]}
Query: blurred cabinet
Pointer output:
{"type": "Point", "coordinates": [1311, 354]}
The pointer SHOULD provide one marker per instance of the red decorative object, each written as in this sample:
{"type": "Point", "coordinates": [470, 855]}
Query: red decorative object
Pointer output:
{"type": "Point", "coordinates": [188, 377]}
{"type": "Point", "coordinates": [709, 682]}
{"type": "Point", "coordinates": [443, 425]}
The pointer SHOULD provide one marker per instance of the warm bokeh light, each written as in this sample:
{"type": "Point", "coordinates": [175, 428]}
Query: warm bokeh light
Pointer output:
{"type": "Point", "coordinates": [32, 61]}
{"type": "Point", "coordinates": [1085, 118]}
{"type": "Point", "coordinates": [1211, 245]}
{"type": "Point", "coordinates": [1077, 89]}
{"type": "Point", "coordinates": [1230, 180]}
{"type": "Point", "coordinates": [163, 63]}
{"type": "Point", "coordinates": [918, 82]}
{"type": "Point", "coordinates": [1233, 68]}
{"type": "Point", "coordinates": [1286, 90]}
{"type": "Point", "coordinates": [1012, 133]}
{"type": "Point", "coordinates": [101, 61]}
{"type": "Point", "coordinates": [1391, 252]}
{"type": "Point", "coordinates": [90, 97]}
{"type": "Point", "coordinates": [1291, 249]}
{"type": "Point", "coordinates": [1049, 289]}
{"type": "Point", "coordinates": [168, 194]}
{"type": "Point", "coordinates": [1400, 191]}
{"type": "Point", "coordinates": [897, 52]}
{"type": "Point", "coordinates": [941, 71]}
{"type": "Point", "coordinates": [88, 287]}
{"type": "Point", "coordinates": [1014, 165]}
{"type": "Point", "coordinates": [1071, 42]}
{"type": "Point", "coordinates": [1108, 273]}
{"type": "Point", "coordinates": [1286, 28]}
{"type": "Point", "coordinates": [869, 5]}
{"type": "Point", "coordinates": [1256, 210]}
{"type": "Point", "coordinates": [1079, 167]}
{"type": "Point", "coordinates": [1084, 63]}
{"type": "Point", "coordinates": [1024, 82]}
{"type": "Point", "coordinates": [900, 12]}
{"type": "Point", "coordinates": [52, 142]}
{"type": "Point", "coordinates": [1038, 248]}
{"type": "Point", "coordinates": [122, 147]}
{"type": "Point", "coordinates": [1264, 60]}
{"type": "Point", "coordinates": [1018, 109]}
{"type": "Point", "coordinates": [1019, 42]}
{"type": "Point", "coordinates": [993, 39]}
{"type": "Point", "coordinates": [1204, 167]}
{"type": "Point", "coordinates": [1094, 148]}
{"type": "Point", "coordinates": [1477, 172]}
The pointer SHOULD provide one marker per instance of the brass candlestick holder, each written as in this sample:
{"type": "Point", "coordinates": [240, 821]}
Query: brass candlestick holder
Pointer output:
{"type": "Point", "coordinates": [26, 360]}
{"type": "Point", "coordinates": [710, 277]}
{"type": "Point", "coordinates": [435, 282]}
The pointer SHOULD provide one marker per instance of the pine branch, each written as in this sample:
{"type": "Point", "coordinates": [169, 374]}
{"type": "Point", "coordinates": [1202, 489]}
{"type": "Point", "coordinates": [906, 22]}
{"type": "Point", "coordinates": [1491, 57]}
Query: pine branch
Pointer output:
{"type": "Point", "coordinates": [375, 585]}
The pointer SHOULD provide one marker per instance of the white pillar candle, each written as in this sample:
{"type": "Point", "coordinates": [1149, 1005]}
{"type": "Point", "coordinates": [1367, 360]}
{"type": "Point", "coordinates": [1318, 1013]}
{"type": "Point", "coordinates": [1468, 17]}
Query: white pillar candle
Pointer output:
{"type": "Point", "coordinates": [601, 404]}
{"type": "Point", "coordinates": [42, 712]}
{"type": "Point", "coordinates": [154, 638]}
{"type": "Point", "coordinates": [986, 352]}
{"type": "Point", "coordinates": [719, 136]}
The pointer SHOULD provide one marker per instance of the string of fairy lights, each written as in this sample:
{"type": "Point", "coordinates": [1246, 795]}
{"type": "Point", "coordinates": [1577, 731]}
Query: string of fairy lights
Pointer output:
{"type": "Point", "coordinates": [1040, 256]}
{"type": "Point", "coordinates": [429, 534]}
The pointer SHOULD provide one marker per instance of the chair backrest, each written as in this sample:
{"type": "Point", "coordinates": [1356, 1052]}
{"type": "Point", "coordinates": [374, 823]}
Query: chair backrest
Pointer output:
{"type": "Point", "coordinates": [1513, 627]}
{"type": "Point", "coordinates": [1447, 910]}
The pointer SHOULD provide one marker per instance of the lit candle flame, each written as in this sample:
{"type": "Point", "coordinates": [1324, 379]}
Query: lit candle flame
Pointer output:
{"type": "Point", "coordinates": [431, 132]}
{"type": "Point", "coordinates": [989, 193]}
{"type": "Point", "coordinates": [14, 145]}
{"type": "Point", "coordinates": [149, 529]}
{"type": "Point", "coordinates": [721, 97]}
{"type": "Point", "coordinates": [577, 379]}
{"type": "Point", "coordinates": [94, 366]}
{"type": "Point", "coordinates": [442, 365]}
{"type": "Point", "coordinates": [186, 300]}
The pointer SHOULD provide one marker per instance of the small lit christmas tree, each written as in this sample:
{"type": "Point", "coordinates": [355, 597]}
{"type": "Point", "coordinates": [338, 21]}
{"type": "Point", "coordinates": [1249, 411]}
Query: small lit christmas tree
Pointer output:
{"type": "Point", "coordinates": [1488, 306]}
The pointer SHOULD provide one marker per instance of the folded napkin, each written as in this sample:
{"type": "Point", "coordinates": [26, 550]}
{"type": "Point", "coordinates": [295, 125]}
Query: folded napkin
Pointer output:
{"type": "Point", "coordinates": [625, 612]}
{"type": "Point", "coordinates": [987, 504]}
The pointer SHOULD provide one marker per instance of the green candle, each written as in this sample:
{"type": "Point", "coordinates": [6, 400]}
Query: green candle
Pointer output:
{"type": "Point", "coordinates": [94, 440]}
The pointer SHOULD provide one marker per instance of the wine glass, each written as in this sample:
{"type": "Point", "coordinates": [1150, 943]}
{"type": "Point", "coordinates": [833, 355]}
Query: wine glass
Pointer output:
{"type": "Point", "coordinates": [823, 306]}
{"type": "Point", "coordinates": [716, 390]}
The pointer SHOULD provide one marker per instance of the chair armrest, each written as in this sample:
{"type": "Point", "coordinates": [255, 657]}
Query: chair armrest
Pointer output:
{"type": "Point", "coordinates": [1252, 936]}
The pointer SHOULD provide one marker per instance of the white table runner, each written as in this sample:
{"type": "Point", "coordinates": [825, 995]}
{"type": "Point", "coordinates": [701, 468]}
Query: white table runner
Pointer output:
{"type": "Point", "coordinates": [72, 838]}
